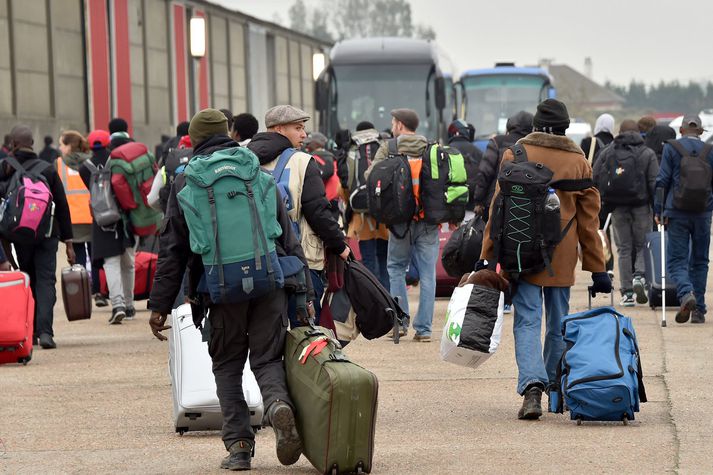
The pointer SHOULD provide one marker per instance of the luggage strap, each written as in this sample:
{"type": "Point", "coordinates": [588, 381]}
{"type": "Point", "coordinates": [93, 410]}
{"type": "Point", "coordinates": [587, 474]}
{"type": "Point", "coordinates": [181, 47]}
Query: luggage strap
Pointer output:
{"type": "Point", "coordinates": [282, 162]}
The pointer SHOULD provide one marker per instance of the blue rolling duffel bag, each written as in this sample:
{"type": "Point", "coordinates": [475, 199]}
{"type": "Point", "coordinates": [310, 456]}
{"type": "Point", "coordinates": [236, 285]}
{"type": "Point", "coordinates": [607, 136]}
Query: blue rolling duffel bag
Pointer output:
{"type": "Point", "coordinates": [599, 376]}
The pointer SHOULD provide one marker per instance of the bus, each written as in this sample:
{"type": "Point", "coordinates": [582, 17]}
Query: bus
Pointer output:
{"type": "Point", "coordinates": [368, 77]}
{"type": "Point", "coordinates": [489, 96]}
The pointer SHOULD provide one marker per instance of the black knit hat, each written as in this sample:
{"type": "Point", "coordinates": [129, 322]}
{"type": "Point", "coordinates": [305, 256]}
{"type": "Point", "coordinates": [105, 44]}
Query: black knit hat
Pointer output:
{"type": "Point", "coordinates": [551, 117]}
{"type": "Point", "coordinates": [118, 124]}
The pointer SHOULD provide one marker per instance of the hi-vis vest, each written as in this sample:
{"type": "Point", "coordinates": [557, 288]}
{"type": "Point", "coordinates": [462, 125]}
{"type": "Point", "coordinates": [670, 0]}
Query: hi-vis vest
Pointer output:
{"type": "Point", "coordinates": [77, 194]}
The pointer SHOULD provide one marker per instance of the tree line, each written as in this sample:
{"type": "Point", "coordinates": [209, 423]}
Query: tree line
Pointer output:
{"type": "Point", "coordinates": [666, 96]}
{"type": "Point", "coordinates": [333, 20]}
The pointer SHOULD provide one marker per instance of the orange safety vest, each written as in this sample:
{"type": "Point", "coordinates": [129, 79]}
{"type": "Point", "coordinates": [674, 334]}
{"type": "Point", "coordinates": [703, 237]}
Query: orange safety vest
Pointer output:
{"type": "Point", "coordinates": [77, 194]}
{"type": "Point", "coordinates": [416, 164]}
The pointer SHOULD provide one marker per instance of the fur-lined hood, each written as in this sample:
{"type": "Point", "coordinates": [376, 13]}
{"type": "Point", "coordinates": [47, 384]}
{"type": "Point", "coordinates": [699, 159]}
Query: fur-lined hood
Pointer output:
{"type": "Point", "coordinates": [560, 142]}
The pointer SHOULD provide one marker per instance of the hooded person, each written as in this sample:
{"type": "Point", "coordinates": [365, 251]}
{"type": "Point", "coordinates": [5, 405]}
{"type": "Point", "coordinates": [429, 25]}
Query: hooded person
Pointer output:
{"type": "Point", "coordinates": [298, 173]}
{"type": "Point", "coordinates": [518, 126]}
{"type": "Point", "coordinates": [603, 136]}
{"type": "Point", "coordinates": [254, 328]}
{"type": "Point", "coordinates": [657, 138]}
{"type": "Point", "coordinates": [548, 145]}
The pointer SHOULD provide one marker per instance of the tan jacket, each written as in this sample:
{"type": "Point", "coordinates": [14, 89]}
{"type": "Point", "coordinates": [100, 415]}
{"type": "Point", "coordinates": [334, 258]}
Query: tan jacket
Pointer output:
{"type": "Point", "coordinates": [567, 161]}
{"type": "Point", "coordinates": [311, 243]}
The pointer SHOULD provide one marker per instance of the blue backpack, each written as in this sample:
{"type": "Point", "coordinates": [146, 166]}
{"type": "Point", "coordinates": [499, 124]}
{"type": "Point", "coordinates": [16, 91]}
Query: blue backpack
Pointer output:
{"type": "Point", "coordinates": [599, 376]}
{"type": "Point", "coordinates": [282, 180]}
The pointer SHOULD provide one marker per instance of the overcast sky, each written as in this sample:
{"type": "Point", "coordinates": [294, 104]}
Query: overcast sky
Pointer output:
{"type": "Point", "coordinates": [647, 40]}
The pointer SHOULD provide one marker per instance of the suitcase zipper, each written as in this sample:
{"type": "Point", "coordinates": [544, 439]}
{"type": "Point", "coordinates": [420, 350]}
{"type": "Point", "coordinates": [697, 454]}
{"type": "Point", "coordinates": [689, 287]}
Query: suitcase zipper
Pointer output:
{"type": "Point", "coordinates": [11, 283]}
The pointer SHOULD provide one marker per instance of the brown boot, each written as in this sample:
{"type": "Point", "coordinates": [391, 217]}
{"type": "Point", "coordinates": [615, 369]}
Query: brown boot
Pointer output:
{"type": "Point", "coordinates": [532, 404]}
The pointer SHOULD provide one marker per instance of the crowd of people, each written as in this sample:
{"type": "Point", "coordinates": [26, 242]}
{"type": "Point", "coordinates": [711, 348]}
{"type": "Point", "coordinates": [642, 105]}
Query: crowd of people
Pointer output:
{"type": "Point", "coordinates": [642, 176]}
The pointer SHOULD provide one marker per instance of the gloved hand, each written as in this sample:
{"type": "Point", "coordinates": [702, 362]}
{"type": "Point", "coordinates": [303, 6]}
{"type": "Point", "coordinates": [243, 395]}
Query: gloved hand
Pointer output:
{"type": "Point", "coordinates": [601, 283]}
{"type": "Point", "coordinates": [481, 264]}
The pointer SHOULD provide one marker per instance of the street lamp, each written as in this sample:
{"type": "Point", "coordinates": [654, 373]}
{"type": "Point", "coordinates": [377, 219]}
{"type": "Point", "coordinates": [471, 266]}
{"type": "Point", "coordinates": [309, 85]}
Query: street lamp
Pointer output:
{"type": "Point", "coordinates": [197, 29]}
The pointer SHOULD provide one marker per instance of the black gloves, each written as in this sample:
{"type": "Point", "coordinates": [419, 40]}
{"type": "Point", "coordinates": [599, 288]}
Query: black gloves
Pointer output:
{"type": "Point", "coordinates": [601, 283]}
{"type": "Point", "coordinates": [480, 265]}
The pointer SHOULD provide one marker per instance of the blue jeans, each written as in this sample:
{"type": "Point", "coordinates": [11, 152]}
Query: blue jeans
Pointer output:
{"type": "Point", "coordinates": [421, 243]}
{"type": "Point", "coordinates": [318, 286]}
{"type": "Point", "coordinates": [534, 365]}
{"type": "Point", "coordinates": [373, 256]}
{"type": "Point", "coordinates": [689, 270]}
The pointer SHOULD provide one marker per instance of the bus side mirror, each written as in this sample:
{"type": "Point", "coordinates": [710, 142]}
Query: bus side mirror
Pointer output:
{"type": "Point", "coordinates": [440, 93]}
{"type": "Point", "coordinates": [551, 93]}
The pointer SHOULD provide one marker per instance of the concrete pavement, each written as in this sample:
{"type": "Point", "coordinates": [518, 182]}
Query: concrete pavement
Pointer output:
{"type": "Point", "coordinates": [101, 403]}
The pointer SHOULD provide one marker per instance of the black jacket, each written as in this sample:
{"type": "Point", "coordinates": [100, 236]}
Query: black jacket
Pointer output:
{"type": "Point", "coordinates": [656, 139]}
{"type": "Point", "coordinates": [49, 155]}
{"type": "Point", "coordinates": [518, 126]}
{"type": "Point", "coordinates": [109, 242]}
{"type": "Point", "coordinates": [174, 247]}
{"type": "Point", "coordinates": [605, 137]}
{"type": "Point", "coordinates": [472, 156]}
{"type": "Point", "coordinates": [62, 227]}
{"type": "Point", "coordinates": [315, 207]}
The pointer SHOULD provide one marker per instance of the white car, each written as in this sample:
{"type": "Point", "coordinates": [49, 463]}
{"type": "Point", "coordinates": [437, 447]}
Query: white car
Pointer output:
{"type": "Point", "coordinates": [577, 131]}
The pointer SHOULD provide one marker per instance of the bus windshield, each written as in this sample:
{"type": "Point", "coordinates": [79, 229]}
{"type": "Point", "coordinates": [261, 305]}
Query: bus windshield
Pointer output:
{"type": "Point", "coordinates": [492, 99]}
{"type": "Point", "coordinates": [370, 92]}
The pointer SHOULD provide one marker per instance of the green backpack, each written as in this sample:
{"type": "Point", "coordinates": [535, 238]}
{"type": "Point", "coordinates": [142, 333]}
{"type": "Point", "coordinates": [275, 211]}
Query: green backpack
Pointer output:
{"type": "Point", "coordinates": [444, 185]}
{"type": "Point", "coordinates": [230, 206]}
{"type": "Point", "coordinates": [133, 169]}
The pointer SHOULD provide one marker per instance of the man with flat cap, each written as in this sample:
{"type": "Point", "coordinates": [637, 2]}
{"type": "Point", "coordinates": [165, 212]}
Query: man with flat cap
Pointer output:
{"type": "Point", "coordinates": [307, 204]}
{"type": "Point", "coordinates": [258, 324]}
{"type": "Point", "coordinates": [419, 239]}
{"type": "Point", "coordinates": [685, 180]}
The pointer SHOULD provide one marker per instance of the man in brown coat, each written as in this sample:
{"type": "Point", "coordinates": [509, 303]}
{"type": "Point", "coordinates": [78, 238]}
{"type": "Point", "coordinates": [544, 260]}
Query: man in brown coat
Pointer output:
{"type": "Point", "coordinates": [549, 146]}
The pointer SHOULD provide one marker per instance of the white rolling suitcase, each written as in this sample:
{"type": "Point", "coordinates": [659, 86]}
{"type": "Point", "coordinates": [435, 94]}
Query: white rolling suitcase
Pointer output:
{"type": "Point", "coordinates": [195, 401]}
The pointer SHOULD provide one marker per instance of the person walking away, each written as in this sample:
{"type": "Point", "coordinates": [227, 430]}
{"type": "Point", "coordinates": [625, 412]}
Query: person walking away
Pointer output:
{"type": "Point", "coordinates": [245, 126]}
{"type": "Point", "coordinates": [685, 179]}
{"type": "Point", "coordinates": [113, 246]}
{"type": "Point", "coordinates": [253, 328]}
{"type": "Point", "coordinates": [460, 136]}
{"type": "Point", "coordinates": [49, 154]}
{"type": "Point", "coordinates": [174, 162]}
{"type": "Point", "coordinates": [518, 126]}
{"type": "Point", "coordinates": [657, 138]}
{"type": "Point", "coordinates": [304, 192]}
{"type": "Point", "coordinates": [75, 150]}
{"type": "Point", "coordinates": [38, 257]}
{"type": "Point", "coordinates": [315, 145]}
{"type": "Point", "coordinates": [119, 131]}
{"type": "Point", "coordinates": [625, 174]}
{"type": "Point", "coordinates": [417, 239]}
{"type": "Point", "coordinates": [173, 142]}
{"type": "Point", "coordinates": [645, 125]}
{"type": "Point", "coordinates": [358, 151]}
{"type": "Point", "coordinates": [547, 145]}
{"type": "Point", "coordinates": [603, 136]}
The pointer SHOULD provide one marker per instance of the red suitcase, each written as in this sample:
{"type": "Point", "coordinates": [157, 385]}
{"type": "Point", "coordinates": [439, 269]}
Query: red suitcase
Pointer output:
{"type": "Point", "coordinates": [16, 318]}
{"type": "Point", "coordinates": [144, 271]}
{"type": "Point", "coordinates": [76, 293]}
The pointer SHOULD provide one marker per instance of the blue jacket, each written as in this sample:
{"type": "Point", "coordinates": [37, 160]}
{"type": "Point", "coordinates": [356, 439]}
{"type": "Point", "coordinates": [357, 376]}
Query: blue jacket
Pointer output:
{"type": "Point", "coordinates": [668, 177]}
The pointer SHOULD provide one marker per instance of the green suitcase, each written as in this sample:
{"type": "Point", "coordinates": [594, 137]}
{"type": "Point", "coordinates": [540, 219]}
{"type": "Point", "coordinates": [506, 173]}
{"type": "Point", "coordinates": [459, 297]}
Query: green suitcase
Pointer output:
{"type": "Point", "coordinates": [335, 402]}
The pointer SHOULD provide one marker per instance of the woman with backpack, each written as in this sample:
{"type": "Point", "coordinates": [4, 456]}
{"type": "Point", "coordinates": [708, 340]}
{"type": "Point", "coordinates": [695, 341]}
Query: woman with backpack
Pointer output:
{"type": "Point", "coordinates": [114, 245]}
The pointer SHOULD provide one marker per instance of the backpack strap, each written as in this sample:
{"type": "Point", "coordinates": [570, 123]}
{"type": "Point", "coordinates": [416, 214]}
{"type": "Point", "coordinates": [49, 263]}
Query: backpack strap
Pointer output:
{"type": "Point", "coordinates": [218, 258]}
{"type": "Point", "coordinates": [518, 150]}
{"type": "Point", "coordinates": [706, 150]}
{"type": "Point", "coordinates": [33, 167]}
{"type": "Point", "coordinates": [393, 146]}
{"type": "Point", "coordinates": [577, 184]}
{"type": "Point", "coordinates": [282, 162]}
{"type": "Point", "coordinates": [679, 148]}
{"type": "Point", "coordinates": [90, 165]}
{"type": "Point", "coordinates": [258, 233]}
{"type": "Point", "coordinates": [592, 147]}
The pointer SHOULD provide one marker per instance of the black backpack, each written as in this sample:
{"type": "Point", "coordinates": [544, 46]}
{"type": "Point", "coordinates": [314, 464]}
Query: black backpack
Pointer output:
{"type": "Point", "coordinates": [325, 162]}
{"type": "Point", "coordinates": [389, 187]}
{"type": "Point", "coordinates": [175, 159]}
{"type": "Point", "coordinates": [694, 183]}
{"type": "Point", "coordinates": [523, 233]}
{"type": "Point", "coordinates": [443, 181]}
{"type": "Point", "coordinates": [377, 313]}
{"type": "Point", "coordinates": [462, 250]}
{"type": "Point", "coordinates": [358, 161]}
{"type": "Point", "coordinates": [623, 181]}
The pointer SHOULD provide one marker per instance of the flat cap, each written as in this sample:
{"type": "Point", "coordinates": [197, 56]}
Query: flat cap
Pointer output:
{"type": "Point", "coordinates": [206, 124]}
{"type": "Point", "coordinates": [284, 114]}
{"type": "Point", "coordinates": [408, 117]}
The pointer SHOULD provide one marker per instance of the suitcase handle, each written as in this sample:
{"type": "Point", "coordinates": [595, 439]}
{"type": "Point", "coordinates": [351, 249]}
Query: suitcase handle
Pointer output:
{"type": "Point", "coordinates": [591, 293]}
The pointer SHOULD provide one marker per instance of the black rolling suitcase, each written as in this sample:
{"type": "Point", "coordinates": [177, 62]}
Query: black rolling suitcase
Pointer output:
{"type": "Point", "coordinates": [652, 261]}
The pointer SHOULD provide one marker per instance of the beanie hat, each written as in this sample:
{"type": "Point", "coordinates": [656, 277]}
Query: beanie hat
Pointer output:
{"type": "Point", "coordinates": [364, 125]}
{"type": "Point", "coordinates": [118, 125]}
{"type": "Point", "coordinates": [551, 117]}
{"type": "Point", "coordinates": [207, 123]}
{"type": "Point", "coordinates": [182, 128]}
{"type": "Point", "coordinates": [98, 139]}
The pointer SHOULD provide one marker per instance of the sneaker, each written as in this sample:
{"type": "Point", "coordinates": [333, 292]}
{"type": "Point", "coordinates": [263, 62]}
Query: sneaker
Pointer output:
{"type": "Point", "coordinates": [688, 304]}
{"type": "Point", "coordinates": [241, 452]}
{"type": "Point", "coordinates": [282, 420]}
{"type": "Point", "coordinates": [130, 313]}
{"type": "Point", "coordinates": [422, 338]}
{"type": "Point", "coordinates": [639, 284]}
{"type": "Point", "coordinates": [117, 315]}
{"type": "Point", "coordinates": [507, 308]}
{"type": "Point", "coordinates": [100, 300]}
{"type": "Point", "coordinates": [698, 317]}
{"type": "Point", "coordinates": [531, 404]}
{"type": "Point", "coordinates": [627, 300]}
{"type": "Point", "coordinates": [46, 341]}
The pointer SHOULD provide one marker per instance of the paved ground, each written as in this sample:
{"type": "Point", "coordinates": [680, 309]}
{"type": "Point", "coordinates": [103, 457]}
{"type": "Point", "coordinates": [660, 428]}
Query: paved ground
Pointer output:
{"type": "Point", "coordinates": [101, 403]}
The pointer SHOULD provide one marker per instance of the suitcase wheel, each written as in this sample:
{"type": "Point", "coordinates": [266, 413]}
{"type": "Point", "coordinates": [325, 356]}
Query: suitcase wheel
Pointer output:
{"type": "Point", "coordinates": [579, 420]}
{"type": "Point", "coordinates": [181, 430]}
{"type": "Point", "coordinates": [26, 359]}
{"type": "Point", "coordinates": [625, 419]}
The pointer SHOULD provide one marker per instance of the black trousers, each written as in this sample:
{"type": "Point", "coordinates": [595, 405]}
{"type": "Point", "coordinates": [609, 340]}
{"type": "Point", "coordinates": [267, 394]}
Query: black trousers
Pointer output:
{"type": "Point", "coordinates": [39, 261]}
{"type": "Point", "coordinates": [259, 326]}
